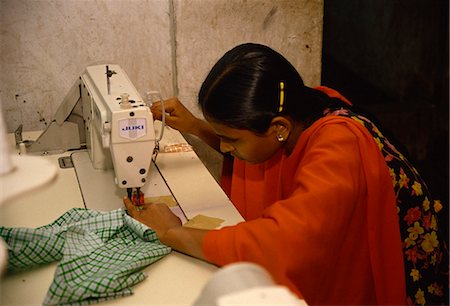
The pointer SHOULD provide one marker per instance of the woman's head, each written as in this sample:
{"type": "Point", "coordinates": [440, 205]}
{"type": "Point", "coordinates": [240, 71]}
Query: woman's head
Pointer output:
{"type": "Point", "coordinates": [243, 91]}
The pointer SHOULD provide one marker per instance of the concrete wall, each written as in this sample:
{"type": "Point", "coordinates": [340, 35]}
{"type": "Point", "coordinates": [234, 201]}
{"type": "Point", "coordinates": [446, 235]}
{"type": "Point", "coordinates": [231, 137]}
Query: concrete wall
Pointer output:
{"type": "Point", "coordinates": [205, 29]}
{"type": "Point", "coordinates": [162, 44]}
{"type": "Point", "coordinates": [45, 45]}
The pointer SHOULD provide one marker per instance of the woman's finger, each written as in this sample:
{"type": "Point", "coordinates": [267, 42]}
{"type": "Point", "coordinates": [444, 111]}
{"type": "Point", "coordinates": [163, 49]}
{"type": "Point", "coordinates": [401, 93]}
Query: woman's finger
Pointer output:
{"type": "Point", "coordinates": [168, 106]}
{"type": "Point", "coordinates": [129, 206]}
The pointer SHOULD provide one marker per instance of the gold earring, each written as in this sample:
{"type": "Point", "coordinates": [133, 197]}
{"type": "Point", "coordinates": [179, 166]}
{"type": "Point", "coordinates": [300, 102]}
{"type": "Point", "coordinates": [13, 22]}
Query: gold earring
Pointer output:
{"type": "Point", "coordinates": [280, 138]}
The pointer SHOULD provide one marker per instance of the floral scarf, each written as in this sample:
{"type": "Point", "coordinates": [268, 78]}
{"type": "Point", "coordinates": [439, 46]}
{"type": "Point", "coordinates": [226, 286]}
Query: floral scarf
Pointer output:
{"type": "Point", "coordinates": [425, 251]}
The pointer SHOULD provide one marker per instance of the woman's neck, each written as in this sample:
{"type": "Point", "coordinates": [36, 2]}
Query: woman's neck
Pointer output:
{"type": "Point", "coordinates": [294, 135]}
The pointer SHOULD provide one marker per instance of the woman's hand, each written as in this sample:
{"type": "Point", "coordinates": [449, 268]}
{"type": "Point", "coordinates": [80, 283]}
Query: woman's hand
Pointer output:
{"type": "Point", "coordinates": [157, 216]}
{"type": "Point", "coordinates": [181, 119]}
{"type": "Point", "coordinates": [168, 227]}
{"type": "Point", "coordinates": [177, 115]}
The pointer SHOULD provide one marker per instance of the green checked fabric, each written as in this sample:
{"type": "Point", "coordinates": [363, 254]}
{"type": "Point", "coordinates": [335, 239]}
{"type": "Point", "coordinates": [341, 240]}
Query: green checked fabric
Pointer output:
{"type": "Point", "coordinates": [100, 253]}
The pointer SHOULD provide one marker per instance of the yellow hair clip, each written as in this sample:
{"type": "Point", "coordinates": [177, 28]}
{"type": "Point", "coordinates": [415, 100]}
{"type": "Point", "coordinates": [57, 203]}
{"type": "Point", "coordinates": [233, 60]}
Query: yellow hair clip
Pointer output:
{"type": "Point", "coordinates": [280, 108]}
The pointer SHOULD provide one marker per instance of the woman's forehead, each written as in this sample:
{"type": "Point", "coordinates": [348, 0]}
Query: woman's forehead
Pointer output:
{"type": "Point", "coordinates": [224, 130]}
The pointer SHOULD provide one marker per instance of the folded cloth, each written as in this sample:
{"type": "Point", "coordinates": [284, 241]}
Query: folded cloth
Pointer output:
{"type": "Point", "coordinates": [100, 253]}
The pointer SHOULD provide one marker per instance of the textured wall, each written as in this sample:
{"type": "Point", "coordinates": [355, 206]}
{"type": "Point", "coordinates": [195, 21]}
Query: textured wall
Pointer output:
{"type": "Point", "coordinates": [46, 44]}
{"type": "Point", "coordinates": [206, 29]}
{"type": "Point", "coordinates": [161, 44]}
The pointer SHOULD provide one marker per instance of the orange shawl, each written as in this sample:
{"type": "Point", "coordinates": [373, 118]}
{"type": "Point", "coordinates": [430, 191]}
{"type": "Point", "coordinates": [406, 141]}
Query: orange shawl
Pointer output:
{"type": "Point", "coordinates": [322, 220]}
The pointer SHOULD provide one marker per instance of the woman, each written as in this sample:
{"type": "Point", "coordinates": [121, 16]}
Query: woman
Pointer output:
{"type": "Point", "coordinates": [314, 182]}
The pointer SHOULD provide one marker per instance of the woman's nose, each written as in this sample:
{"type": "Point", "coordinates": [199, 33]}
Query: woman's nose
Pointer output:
{"type": "Point", "coordinates": [226, 147]}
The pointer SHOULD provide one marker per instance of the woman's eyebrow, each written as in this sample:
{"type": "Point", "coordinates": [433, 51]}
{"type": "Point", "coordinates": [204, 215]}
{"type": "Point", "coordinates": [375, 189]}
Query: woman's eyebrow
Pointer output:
{"type": "Point", "coordinates": [226, 137]}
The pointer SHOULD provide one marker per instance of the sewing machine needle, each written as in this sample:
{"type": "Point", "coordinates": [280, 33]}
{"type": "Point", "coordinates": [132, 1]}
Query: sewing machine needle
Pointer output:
{"type": "Point", "coordinates": [138, 196]}
{"type": "Point", "coordinates": [130, 193]}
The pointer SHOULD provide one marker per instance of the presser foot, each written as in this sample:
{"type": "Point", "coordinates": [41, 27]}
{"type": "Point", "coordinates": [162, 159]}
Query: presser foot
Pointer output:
{"type": "Point", "coordinates": [136, 197]}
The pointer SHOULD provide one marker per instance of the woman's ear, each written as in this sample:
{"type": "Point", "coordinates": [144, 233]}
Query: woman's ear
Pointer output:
{"type": "Point", "coordinates": [280, 127]}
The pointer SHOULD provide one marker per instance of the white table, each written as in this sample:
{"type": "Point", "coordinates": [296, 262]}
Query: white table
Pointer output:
{"type": "Point", "coordinates": [176, 279]}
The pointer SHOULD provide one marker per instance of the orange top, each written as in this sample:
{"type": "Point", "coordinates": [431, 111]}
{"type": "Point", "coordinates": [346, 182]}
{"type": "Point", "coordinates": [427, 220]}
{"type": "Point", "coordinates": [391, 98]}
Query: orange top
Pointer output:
{"type": "Point", "coordinates": [322, 220]}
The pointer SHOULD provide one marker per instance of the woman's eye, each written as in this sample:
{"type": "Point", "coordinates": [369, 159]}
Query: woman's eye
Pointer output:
{"type": "Point", "coordinates": [230, 140]}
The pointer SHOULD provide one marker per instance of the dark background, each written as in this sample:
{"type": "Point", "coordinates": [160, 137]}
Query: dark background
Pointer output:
{"type": "Point", "coordinates": [390, 57]}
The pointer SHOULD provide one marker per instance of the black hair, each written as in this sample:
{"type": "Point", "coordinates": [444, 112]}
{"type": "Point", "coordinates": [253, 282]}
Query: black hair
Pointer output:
{"type": "Point", "coordinates": [242, 90]}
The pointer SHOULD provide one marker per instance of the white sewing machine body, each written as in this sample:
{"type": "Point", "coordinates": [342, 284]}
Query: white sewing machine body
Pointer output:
{"type": "Point", "coordinates": [119, 126]}
{"type": "Point", "coordinates": [104, 111]}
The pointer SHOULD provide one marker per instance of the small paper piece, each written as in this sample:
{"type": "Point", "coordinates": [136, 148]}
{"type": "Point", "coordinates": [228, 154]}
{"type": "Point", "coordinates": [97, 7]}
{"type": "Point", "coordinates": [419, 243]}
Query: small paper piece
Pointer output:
{"type": "Point", "coordinates": [179, 213]}
{"type": "Point", "coordinates": [168, 200]}
{"type": "Point", "coordinates": [179, 147]}
{"type": "Point", "coordinates": [204, 222]}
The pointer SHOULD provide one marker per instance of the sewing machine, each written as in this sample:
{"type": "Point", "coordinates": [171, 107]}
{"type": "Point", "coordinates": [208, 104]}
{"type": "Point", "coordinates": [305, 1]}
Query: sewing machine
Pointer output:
{"type": "Point", "coordinates": [119, 125]}
{"type": "Point", "coordinates": [116, 127]}
{"type": "Point", "coordinates": [84, 135]}
{"type": "Point", "coordinates": [104, 141]}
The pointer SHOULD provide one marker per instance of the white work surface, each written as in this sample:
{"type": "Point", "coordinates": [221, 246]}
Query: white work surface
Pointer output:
{"type": "Point", "coordinates": [176, 279]}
